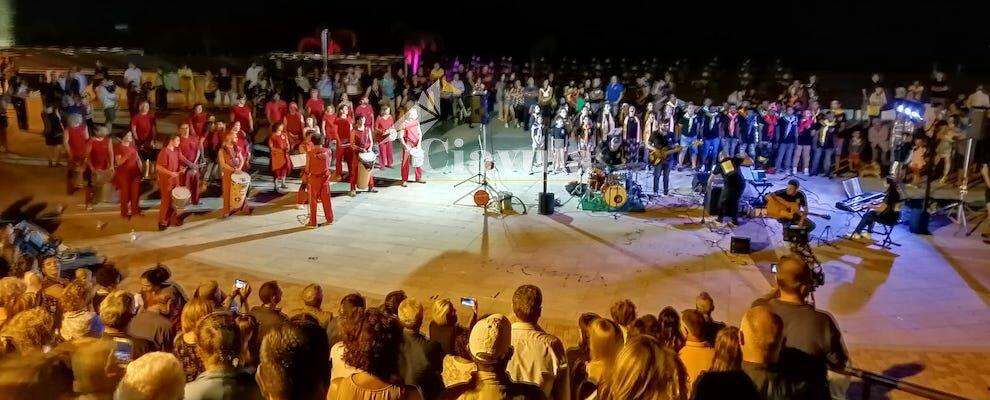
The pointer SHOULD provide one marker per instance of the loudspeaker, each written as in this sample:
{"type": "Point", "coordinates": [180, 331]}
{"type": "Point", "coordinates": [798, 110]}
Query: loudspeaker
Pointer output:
{"type": "Point", "coordinates": [739, 245]}
{"type": "Point", "coordinates": [714, 204]}
{"type": "Point", "coordinates": [919, 221]}
{"type": "Point", "coordinates": [546, 203]}
{"type": "Point", "coordinates": [699, 181]}
{"type": "Point", "coordinates": [977, 124]}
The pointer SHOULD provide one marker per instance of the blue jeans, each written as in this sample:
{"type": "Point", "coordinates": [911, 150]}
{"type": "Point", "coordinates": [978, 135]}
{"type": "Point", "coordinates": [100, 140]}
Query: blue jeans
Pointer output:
{"type": "Point", "coordinates": [730, 146]}
{"type": "Point", "coordinates": [785, 156]}
{"type": "Point", "coordinates": [710, 153]}
{"type": "Point", "coordinates": [821, 155]}
{"type": "Point", "coordinates": [748, 148]}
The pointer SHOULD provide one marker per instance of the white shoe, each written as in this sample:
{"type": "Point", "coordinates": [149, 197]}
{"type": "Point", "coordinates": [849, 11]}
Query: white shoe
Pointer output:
{"type": "Point", "coordinates": [793, 171]}
{"type": "Point", "coordinates": [300, 206]}
{"type": "Point", "coordinates": [806, 171]}
{"type": "Point", "coordinates": [855, 236]}
{"type": "Point", "coordinates": [867, 236]}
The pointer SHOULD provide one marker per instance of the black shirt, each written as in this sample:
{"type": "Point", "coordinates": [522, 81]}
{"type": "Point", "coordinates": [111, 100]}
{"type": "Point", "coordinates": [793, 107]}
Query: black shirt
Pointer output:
{"type": "Point", "coordinates": [733, 178]}
{"type": "Point", "coordinates": [725, 385]}
{"type": "Point", "coordinates": [153, 327]}
{"type": "Point", "coordinates": [796, 198]}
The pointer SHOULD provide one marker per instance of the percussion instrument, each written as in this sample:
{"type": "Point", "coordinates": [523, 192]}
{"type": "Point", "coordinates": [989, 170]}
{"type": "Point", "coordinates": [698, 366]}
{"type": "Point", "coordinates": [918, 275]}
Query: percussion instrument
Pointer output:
{"type": "Point", "coordinates": [298, 160]}
{"type": "Point", "coordinates": [614, 196]}
{"type": "Point", "coordinates": [596, 180]}
{"type": "Point", "coordinates": [481, 198]}
{"type": "Point", "coordinates": [363, 175]}
{"type": "Point", "coordinates": [368, 158]}
{"type": "Point", "coordinates": [417, 157]}
{"type": "Point", "coordinates": [180, 197]}
{"type": "Point", "coordinates": [102, 185]}
{"type": "Point", "coordinates": [240, 182]}
{"type": "Point", "coordinates": [390, 135]}
{"type": "Point", "coordinates": [78, 176]}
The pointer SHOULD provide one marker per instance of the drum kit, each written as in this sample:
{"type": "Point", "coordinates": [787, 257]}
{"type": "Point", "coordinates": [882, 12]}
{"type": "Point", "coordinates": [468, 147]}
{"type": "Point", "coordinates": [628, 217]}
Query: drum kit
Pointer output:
{"type": "Point", "coordinates": [613, 188]}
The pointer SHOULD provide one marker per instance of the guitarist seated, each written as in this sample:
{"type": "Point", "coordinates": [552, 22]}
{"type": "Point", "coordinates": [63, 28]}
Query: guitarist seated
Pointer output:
{"type": "Point", "coordinates": [790, 206]}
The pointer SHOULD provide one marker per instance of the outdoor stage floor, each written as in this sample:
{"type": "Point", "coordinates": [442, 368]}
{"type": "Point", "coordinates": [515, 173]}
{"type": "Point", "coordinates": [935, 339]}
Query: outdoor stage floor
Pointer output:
{"type": "Point", "coordinates": [919, 311]}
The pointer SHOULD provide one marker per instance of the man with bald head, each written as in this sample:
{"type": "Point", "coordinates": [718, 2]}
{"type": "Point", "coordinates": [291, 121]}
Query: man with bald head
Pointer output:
{"type": "Point", "coordinates": [812, 341]}
{"type": "Point", "coordinates": [761, 337]}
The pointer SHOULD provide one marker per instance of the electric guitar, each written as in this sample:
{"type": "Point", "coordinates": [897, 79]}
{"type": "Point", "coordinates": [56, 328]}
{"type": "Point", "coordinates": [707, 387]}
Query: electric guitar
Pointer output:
{"type": "Point", "coordinates": [778, 208]}
{"type": "Point", "coordinates": [658, 155]}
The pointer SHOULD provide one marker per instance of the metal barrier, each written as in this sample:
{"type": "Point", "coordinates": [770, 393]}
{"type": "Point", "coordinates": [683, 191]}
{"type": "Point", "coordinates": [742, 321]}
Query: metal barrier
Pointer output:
{"type": "Point", "coordinates": [870, 380]}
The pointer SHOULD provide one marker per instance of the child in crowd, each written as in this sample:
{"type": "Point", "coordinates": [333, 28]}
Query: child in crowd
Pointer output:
{"type": "Point", "coordinates": [856, 151]}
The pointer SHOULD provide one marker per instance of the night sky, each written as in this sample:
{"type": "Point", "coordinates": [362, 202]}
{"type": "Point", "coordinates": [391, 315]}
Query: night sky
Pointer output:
{"type": "Point", "coordinates": [839, 33]}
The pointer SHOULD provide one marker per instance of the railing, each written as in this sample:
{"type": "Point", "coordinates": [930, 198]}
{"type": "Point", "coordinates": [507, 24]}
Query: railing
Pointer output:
{"type": "Point", "coordinates": [871, 380]}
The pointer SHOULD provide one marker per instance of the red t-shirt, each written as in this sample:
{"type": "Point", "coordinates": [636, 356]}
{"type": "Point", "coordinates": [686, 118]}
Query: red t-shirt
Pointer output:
{"type": "Point", "coordinates": [315, 108]}
{"type": "Point", "coordinates": [198, 123]}
{"type": "Point", "coordinates": [242, 114]}
{"type": "Point", "coordinates": [130, 165]}
{"type": "Point", "coordinates": [276, 110]}
{"type": "Point", "coordinates": [318, 163]}
{"type": "Point", "coordinates": [344, 129]}
{"type": "Point", "coordinates": [77, 141]}
{"type": "Point", "coordinates": [143, 127]}
{"type": "Point", "coordinates": [294, 124]}
{"type": "Point", "coordinates": [189, 147]}
{"type": "Point", "coordinates": [99, 153]}
{"type": "Point", "coordinates": [367, 112]}
{"type": "Point", "coordinates": [168, 160]}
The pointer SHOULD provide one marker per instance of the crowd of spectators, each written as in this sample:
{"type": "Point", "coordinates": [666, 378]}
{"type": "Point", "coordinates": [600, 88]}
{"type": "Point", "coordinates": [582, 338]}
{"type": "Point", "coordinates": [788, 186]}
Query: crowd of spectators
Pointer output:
{"type": "Point", "coordinates": [83, 338]}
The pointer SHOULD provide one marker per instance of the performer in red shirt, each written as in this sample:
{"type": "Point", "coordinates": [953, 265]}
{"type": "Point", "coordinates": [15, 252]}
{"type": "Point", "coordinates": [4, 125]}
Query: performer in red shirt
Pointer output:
{"type": "Point", "coordinates": [128, 176]}
{"type": "Point", "coordinates": [329, 126]}
{"type": "Point", "coordinates": [280, 163]}
{"type": "Point", "coordinates": [190, 152]}
{"type": "Point", "coordinates": [143, 126]}
{"type": "Point", "coordinates": [294, 125]}
{"type": "Point", "coordinates": [318, 179]}
{"type": "Point", "coordinates": [383, 124]}
{"type": "Point", "coordinates": [361, 142]}
{"type": "Point", "coordinates": [275, 109]}
{"type": "Point", "coordinates": [242, 142]}
{"type": "Point", "coordinates": [75, 140]}
{"type": "Point", "coordinates": [304, 148]}
{"type": "Point", "coordinates": [411, 138]}
{"type": "Point", "coordinates": [231, 161]}
{"type": "Point", "coordinates": [99, 161]}
{"type": "Point", "coordinates": [344, 122]}
{"type": "Point", "coordinates": [315, 106]}
{"type": "Point", "coordinates": [240, 112]}
{"type": "Point", "coordinates": [169, 170]}
{"type": "Point", "coordinates": [197, 121]}
{"type": "Point", "coordinates": [364, 109]}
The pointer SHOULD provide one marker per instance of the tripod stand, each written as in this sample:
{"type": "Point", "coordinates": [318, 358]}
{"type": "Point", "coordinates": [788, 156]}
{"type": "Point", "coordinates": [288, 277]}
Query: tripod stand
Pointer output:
{"type": "Point", "coordinates": [481, 178]}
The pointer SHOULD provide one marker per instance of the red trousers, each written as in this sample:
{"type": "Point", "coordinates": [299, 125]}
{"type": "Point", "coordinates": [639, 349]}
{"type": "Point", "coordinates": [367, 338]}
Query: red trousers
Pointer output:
{"type": "Point", "coordinates": [406, 163]}
{"type": "Point", "coordinates": [302, 196]}
{"type": "Point", "coordinates": [353, 172]}
{"type": "Point", "coordinates": [319, 192]}
{"type": "Point", "coordinates": [385, 152]}
{"type": "Point", "coordinates": [191, 181]}
{"type": "Point", "coordinates": [344, 156]}
{"type": "Point", "coordinates": [71, 183]}
{"type": "Point", "coordinates": [166, 213]}
{"type": "Point", "coordinates": [130, 192]}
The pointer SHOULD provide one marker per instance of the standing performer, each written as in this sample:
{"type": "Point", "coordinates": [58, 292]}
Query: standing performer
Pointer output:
{"type": "Point", "coordinates": [317, 177]}
{"type": "Point", "coordinates": [344, 122]}
{"type": "Point", "coordinates": [275, 109]}
{"type": "Point", "coordinates": [315, 105]}
{"type": "Point", "coordinates": [383, 124]}
{"type": "Point", "coordinates": [280, 163]}
{"type": "Point", "coordinates": [412, 138]}
{"type": "Point", "coordinates": [242, 142]}
{"type": "Point", "coordinates": [559, 134]}
{"type": "Point", "coordinates": [365, 110]}
{"type": "Point", "coordinates": [632, 127]}
{"type": "Point", "coordinates": [328, 125]}
{"type": "Point", "coordinates": [99, 161]}
{"type": "Point", "coordinates": [190, 153]}
{"type": "Point", "coordinates": [240, 112]}
{"type": "Point", "coordinates": [76, 138]}
{"type": "Point", "coordinates": [128, 176]}
{"type": "Point", "coordinates": [231, 161]}
{"type": "Point", "coordinates": [144, 128]}
{"type": "Point", "coordinates": [197, 121]}
{"type": "Point", "coordinates": [536, 135]}
{"type": "Point", "coordinates": [361, 142]}
{"type": "Point", "coordinates": [660, 139]}
{"type": "Point", "coordinates": [304, 148]}
{"type": "Point", "coordinates": [294, 125]}
{"type": "Point", "coordinates": [605, 125]}
{"type": "Point", "coordinates": [168, 170]}
{"type": "Point", "coordinates": [690, 127]}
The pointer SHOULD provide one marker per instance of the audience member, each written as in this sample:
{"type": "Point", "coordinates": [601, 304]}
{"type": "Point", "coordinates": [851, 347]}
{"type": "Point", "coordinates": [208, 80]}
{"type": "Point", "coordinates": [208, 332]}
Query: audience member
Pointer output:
{"type": "Point", "coordinates": [184, 346]}
{"type": "Point", "coordinates": [352, 306]}
{"type": "Point", "coordinates": [624, 313]}
{"type": "Point", "coordinates": [644, 369]}
{"type": "Point", "coordinates": [312, 298]}
{"type": "Point", "coordinates": [420, 359]}
{"type": "Point", "coordinates": [153, 376]}
{"type": "Point", "coordinates": [392, 301]}
{"type": "Point", "coordinates": [706, 305]}
{"type": "Point", "coordinates": [117, 312]}
{"type": "Point", "coordinates": [218, 345]}
{"type": "Point", "coordinates": [372, 352]}
{"type": "Point", "coordinates": [29, 331]}
{"type": "Point", "coordinates": [458, 367]}
{"type": "Point", "coordinates": [490, 344]}
{"type": "Point", "coordinates": [152, 323]}
{"type": "Point", "coordinates": [670, 329]}
{"type": "Point", "coordinates": [78, 318]}
{"type": "Point", "coordinates": [538, 357]}
{"type": "Point", "coordinates": [293, 363]}
{"type": "Point", "coordinates": [697, 354]}
{"type": "Point", "coordinates": [269, 313]}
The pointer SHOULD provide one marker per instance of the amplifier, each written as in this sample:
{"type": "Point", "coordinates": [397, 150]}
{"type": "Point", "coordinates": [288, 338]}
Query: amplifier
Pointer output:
{"type": "Point", "coordinates": [739, 245]}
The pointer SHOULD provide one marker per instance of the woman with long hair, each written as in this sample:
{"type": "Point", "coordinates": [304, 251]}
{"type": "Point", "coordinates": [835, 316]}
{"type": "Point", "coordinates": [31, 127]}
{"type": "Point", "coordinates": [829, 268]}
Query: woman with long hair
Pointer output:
{"type": "Point", "coordinates": [500, 103]}
{"type": "Point", "coordinates": [644, 369]}
{"type": "Point", "coordinates": [184, 344]}
{"type": "Point", "coordinates": [670, 328]}
{"type": "Point", "coordinates": [231, 161]}
{"type": "Point", "coordinates": [383, 123]}
{"type": "Point", "coordinates": [728, 351]}
{"type": "Point", "coordinates": [605, 339]}
{"type": "Point", "coordinates": [372, 351]}
{"type": "Point", "coordinates": [280, 163]}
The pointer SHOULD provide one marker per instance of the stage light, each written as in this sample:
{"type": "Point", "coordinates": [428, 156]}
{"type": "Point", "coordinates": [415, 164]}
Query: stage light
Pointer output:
{"type": "Point", "coordinates": [900, 108]}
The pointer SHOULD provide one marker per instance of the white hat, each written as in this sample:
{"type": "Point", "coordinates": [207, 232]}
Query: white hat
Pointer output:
{"type": "Point", "coordinates": [491, 339]}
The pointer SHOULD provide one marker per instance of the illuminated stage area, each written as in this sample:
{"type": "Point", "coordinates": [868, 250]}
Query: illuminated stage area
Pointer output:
{"type": "Point", "coordinates": [927, 296]}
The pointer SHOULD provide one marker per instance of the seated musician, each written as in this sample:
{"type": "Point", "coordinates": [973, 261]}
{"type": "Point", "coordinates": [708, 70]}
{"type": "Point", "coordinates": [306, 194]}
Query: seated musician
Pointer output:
{"type": "Point", "coordinates": [795, 198]}
{"type": "Point", "coordinates": [885, 212]}
{"type": "Point", "coordinates": [612, 154]}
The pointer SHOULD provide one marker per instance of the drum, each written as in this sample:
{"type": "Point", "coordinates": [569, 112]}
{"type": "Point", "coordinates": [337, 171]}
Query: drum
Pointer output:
{"type": "Point", "coordinates": [367, 159]}
{"type": "Point", "coordinates": [363, 174]}
{"type": "Point", "coordinates": [614, 196]}
{"type": "Point", "coordinates": [102, 186]}
{"type": "Point", "coordinates": [240, 182]}
{"type": "Point", "coordinates": [298, 160]}
{"type": "Point", "coordinates": [417, 157]}
{"type": "Point", "coordinates": [78, 176]}
{"type": "Point", "coordinates": [596, 180]}
{"type": "Point", "coordinates": [481, 198]}
{"type": "Point", "coordinates": [180, 197]}
{"type": "Point", "coordinates": [390, 135]}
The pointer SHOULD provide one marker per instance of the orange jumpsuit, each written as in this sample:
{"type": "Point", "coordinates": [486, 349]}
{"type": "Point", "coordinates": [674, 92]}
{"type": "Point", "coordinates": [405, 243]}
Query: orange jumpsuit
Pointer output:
{"type": "Point", "coordinates": [318, 180]}
{"type": "Point", "coordinates": [128, 179]}
{"type": "Point", "coordinates": [168, 161]}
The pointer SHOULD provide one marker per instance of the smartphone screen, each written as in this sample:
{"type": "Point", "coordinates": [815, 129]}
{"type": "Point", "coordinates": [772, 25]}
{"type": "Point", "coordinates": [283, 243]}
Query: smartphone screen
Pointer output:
{"type": "Point", "coordinates": [773, 268]}
{"type": "Point", "coordinates": [123, 351]}
{"type": "Point", "coordinates": [467, 301]}
{"type": "Point", "coordinates": [239, 283]}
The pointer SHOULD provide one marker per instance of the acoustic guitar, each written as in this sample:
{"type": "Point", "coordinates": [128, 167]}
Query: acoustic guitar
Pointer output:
{"type": "Point", "coordinates": [658, 155]}
{"type": "Point", "coordinates": [778, 208]}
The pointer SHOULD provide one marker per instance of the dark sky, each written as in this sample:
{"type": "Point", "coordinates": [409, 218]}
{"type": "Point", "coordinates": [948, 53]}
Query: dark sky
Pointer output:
{"type": "Point", "coordinates": [839, 32]}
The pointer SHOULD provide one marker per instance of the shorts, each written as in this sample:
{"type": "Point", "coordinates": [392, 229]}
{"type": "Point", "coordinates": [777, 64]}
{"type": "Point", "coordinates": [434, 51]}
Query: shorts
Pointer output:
{"type": "Point", "coordinates": [558, 143]}
{"type": "Point", "coordinates": [687, 144]}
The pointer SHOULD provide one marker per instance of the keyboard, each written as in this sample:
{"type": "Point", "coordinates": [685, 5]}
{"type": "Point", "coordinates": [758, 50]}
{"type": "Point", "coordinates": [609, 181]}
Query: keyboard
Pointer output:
{"type": "Point", "coordinates": [860, 202]}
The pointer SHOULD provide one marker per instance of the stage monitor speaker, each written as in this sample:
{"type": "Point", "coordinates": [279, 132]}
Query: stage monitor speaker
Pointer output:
{"type": "Point", "coordinates": [739, 245]}
{"type": "Point", "coordinates": [977, 124]}
{"type": "Point", "coordinates": [919, 222]}
{"type": "Point", "coordinates": [546, 203]}
{"type": "Point", "coordinates": [714, 202]}
{"type": "Point", "coordinates": [699, 182]}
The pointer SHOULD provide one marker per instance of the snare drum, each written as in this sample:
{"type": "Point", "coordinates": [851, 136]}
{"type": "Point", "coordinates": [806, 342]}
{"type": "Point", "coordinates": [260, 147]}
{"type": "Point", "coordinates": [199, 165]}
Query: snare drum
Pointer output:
{"type": "Point", "coordinates": [298, 160]}
{"type": "Point", "coordinates": [240, 182]}
{"type": "Point", "coordinates": [417, 157]}
{"type": "Point", "coordinates": [180, 197]}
